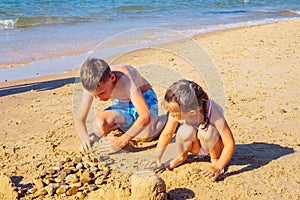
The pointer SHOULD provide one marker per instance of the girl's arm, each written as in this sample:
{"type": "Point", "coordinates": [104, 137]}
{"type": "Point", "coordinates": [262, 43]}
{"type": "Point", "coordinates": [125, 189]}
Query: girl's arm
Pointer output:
{"type": "Point", "coordinates": [164, 139]}
{"type": "Point", "coordinates": [226, 154]}
{"type": "Point", "coordinates": [228, 149]}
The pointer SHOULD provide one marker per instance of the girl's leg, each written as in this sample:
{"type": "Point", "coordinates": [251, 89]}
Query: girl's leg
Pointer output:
{"type": "Point", "coordinates": [186, 142]}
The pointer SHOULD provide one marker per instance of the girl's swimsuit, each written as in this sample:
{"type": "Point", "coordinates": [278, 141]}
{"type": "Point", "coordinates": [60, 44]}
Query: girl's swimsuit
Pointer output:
{"type": "Point", "coordinates": [209, 136]}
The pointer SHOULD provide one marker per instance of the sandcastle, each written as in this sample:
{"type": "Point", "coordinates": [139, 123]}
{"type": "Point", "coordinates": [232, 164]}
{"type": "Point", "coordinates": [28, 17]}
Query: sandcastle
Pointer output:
{"type": "Point", "coordinates": [147, 185]}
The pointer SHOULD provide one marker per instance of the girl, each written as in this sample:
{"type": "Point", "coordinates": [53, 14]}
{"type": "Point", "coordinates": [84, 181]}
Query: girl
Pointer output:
{"type": "Point", "coordinates": [203, 129]}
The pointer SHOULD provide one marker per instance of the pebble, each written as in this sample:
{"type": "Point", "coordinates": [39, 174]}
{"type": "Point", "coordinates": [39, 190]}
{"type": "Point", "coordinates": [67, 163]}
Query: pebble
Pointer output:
{"type": "Point", "coordinates": [50, 190]}
{"type": "Point", "coordinates": [77, 177]}
{"type": "Point", "coordinates": [72, 191]}
{"type": "Point", "coordinates": [40, 192]}
{"type": "Point", "coordinates": [32, 190]}
{"type": "Point", "coordinates": [72, 178]}
{"type": "Point", "coordinates": [85, 178]}
{"type": "Point", "coordinates": [80, 195]}
{"type": "Point", "coordinates": [79, 166]}
{"type": "Point", "coordinates": [99, 181]}
{"type": "Point", "coordinates": [61, 190]}
{"type": "Point", "coordinates": [38, 183]}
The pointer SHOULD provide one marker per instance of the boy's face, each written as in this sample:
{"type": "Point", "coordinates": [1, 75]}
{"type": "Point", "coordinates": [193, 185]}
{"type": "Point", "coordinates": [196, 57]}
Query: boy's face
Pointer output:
{"type": "Point", "coordinates": [104, 91]}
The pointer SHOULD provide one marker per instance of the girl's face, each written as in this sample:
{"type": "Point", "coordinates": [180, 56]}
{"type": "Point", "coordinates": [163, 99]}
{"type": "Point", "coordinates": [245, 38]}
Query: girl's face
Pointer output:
{"type": "Point", "coordinates": [175, 112]}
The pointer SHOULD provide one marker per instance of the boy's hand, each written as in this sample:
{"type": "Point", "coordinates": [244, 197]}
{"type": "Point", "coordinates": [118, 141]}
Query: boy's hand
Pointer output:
{"type": "Point", "coordinates": [112, 145]}
{"type": "Point", "coordinates": [211, 172]}
{"type": "Point", "coordinates": [86, 145]}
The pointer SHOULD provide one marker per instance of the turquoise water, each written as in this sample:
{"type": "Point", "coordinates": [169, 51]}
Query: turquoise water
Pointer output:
{"type": "Point", "coordinates": [34, 30]}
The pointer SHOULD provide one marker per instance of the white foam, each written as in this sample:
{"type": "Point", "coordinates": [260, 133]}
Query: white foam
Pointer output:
{"type": "Point", "coordinates": [216, 27]}
{"type": "Point", "coordinates": [8, 23]}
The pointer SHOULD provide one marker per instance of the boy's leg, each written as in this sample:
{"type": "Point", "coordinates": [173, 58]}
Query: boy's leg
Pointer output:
{"type": "Point", "coordinates": [107, 121]}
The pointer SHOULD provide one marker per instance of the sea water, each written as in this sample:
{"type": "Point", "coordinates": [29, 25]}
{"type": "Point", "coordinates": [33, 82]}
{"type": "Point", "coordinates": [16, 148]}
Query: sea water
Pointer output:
{"type": "Point", "coordinates": [39, 30]}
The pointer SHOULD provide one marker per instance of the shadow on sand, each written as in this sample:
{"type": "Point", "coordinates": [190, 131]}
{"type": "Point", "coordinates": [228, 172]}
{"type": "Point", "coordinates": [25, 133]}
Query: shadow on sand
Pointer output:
{"type": "Point", "coordinates": [181, 194]}
{"type": "Point", "coordinates": [37, 86]}
{"type": "Point", "coordinates": [256, 155]}
{"type": "Point", "coordinates": [252, 156]}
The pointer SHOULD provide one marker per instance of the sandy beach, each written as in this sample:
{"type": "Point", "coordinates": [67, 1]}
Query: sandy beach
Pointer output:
{"type": "Point", "coordinates": [255, 76]}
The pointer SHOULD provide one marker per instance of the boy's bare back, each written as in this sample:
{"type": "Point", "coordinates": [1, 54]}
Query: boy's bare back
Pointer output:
{"type": "Point", "coordinates": [128, 81]}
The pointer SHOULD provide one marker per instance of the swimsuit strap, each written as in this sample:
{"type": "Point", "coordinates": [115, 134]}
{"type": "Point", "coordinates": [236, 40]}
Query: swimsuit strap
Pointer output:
{"type": "Point", "coordinates": [209, 109]}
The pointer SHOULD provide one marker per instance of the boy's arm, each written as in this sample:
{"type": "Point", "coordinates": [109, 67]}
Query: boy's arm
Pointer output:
{"type": "Point", "coordinates": [143, 119]}
{"type": "Point", "coordinates": [80, 119]}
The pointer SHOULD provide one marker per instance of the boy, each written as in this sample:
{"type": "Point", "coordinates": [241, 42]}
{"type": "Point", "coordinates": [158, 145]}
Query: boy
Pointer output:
{"type": "Point", "coordinates": [134, 109]}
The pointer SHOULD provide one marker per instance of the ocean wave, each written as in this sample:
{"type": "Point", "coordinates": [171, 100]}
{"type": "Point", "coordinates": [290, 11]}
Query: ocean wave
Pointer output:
{"type": "Point", "coordinates": [216, 27]}
{"type": "Point", "coordinates": [8, 23]}
{"type": "Point", "coordinates": [289, 12]}
{"type": "Point", "coordinates": [133, 9]}
{"type": "Point", "coordinates": [23, 22]}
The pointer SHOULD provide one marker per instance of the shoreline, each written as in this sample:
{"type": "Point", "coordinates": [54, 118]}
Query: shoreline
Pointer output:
{"type": "Point", "coordinates": [37, 69]}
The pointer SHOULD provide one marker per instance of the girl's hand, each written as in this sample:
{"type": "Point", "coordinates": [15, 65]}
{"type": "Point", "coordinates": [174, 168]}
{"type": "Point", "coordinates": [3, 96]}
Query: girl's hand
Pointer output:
{"type": "Point", "coordinates": [211, 172]}
{"type": "Point", "coordinates": [150, 163]}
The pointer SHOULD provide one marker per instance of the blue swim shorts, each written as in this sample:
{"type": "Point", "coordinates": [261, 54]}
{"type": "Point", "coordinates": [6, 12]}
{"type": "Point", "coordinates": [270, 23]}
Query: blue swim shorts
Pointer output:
{"type": "Point", "coordinates": [127, 109]}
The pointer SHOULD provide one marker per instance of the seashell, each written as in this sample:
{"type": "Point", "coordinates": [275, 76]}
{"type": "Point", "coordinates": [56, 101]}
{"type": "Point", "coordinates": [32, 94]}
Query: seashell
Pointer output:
{"type": "Point", "coordinates": [86, 165]}
{"type": "Point", "coordinates": [58, 180]}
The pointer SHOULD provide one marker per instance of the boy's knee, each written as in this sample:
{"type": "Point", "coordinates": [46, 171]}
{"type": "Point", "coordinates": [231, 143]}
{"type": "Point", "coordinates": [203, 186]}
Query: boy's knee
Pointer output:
{"type": "Point", "coordinates": [98, 127]}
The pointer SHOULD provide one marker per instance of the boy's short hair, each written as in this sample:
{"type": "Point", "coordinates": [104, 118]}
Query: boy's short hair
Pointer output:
{"type": "Point", "coordinates": [93, 71]}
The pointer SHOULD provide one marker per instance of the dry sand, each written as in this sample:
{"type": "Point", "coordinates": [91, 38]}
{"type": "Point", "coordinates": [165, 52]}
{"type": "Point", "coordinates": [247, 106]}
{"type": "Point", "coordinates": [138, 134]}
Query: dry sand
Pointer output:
{"type": "Point", "coordinates": [258, 70]}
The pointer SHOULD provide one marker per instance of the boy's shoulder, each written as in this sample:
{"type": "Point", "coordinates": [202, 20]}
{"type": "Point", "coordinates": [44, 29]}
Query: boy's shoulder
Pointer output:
{"type": "Point", "coordinates": [121, 67]}
{"type": "Point", "coordinates": [126, 69]}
